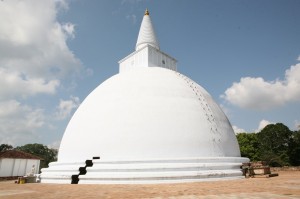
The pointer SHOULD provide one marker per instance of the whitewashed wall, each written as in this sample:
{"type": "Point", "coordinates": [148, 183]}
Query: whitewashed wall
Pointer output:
{"type": "Point", "coordinates": [17, 167]}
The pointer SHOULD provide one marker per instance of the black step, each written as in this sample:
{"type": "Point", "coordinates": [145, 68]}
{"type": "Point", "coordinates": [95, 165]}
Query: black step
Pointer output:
{"type": "Point", "coordinates": [88, 163]}
{"type": "Point", "coordinates": [82, 170]}
{"type": "Point", "coordinates": [75, 179]}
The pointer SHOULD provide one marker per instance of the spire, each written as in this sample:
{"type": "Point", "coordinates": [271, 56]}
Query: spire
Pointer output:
{"type": "Point", "coordinates": [146, 35]}
{"type": "Point", "coordinates": [147, 52]}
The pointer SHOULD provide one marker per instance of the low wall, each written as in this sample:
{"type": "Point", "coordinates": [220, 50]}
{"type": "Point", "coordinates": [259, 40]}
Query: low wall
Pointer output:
{"type": "Point", "coordinates": [285, 168]}
{"type": "Point", "coordinates": [9, 178]}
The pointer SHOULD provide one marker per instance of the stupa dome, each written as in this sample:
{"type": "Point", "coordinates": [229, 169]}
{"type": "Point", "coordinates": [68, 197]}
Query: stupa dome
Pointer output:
{"type": "Point", "coordinates": [148, 113]}
{"type": "Point", "coordinates": [147, 124]}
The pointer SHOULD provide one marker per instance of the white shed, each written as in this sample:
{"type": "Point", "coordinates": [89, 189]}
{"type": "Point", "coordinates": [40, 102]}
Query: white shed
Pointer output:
{"type": "Point", "coordinates": [17, 163]}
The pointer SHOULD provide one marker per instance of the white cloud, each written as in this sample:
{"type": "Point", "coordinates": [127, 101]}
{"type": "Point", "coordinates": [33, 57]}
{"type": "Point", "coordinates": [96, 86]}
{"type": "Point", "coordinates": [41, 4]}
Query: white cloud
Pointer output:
{"type": "Point", "coordinates": [69, 29]}
{"type": "Point", "coordinates": [297, 125]}
{"type": "Point", "coordinates": [19, 123]}
{"type": "Point", "coordinates": [262, 124]}
{"type": "Point", "coordinates": [256, 93]}
{"type": "Point", "coordinates": [238, 130]}
{"type": "Point", "coordinates": [132, 18]}
{"type": "Point", "coordinates": [34, 60]}
{"type": "Point", "coordinates": [14, 85]}
{"type": "Point", "coordinates": [298, 59]}
{"type": "Point", "coordinates": [33, 44]}
{"type": "Point", "coordinates": [54, 145]}
{"type": "Point", "coordinates": [62, 4]}
{"type": "Point", "coordinates": [65, 107]}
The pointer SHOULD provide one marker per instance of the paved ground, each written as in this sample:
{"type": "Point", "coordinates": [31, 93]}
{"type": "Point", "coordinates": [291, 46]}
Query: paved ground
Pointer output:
{"type": "Point", "coordinates": [286, 185]}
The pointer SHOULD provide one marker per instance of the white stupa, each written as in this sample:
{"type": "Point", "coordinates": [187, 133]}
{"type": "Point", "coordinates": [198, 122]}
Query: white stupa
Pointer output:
{"type": "Point", "coordinates": [147, 124]}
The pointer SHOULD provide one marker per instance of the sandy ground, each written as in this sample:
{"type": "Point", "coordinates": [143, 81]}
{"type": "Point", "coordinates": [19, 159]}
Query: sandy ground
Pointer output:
{"type": "Point", "coordinates": [286, 185]}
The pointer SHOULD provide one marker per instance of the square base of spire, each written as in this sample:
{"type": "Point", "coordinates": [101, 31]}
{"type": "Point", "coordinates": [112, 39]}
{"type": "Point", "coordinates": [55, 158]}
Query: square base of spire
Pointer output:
{"type": "Point", "coordinates": [147, 56]}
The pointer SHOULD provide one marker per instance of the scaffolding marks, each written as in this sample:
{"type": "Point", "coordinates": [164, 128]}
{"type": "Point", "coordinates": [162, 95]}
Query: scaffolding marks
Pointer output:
{"type": "Point", "coordinates": [214, 131]}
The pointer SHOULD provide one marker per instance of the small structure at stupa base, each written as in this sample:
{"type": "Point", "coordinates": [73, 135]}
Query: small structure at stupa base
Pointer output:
{"type": "Point", "coordinates": [257, 169]}
{"type": "Point", "coordinates": [147, 124]}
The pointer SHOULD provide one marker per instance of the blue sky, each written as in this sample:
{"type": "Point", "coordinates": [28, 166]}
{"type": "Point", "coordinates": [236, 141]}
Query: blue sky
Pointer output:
{"type": "Point", "coordinates": [53, 53]}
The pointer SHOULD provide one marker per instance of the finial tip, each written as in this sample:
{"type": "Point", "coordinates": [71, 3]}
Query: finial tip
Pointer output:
{"type": "Point", "coordinates": [146, 12]}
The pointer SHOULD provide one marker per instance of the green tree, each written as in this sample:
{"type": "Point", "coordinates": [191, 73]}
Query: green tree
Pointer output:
{"type": "Point", "coordinates": [275, 142]}
{"type": "Point", "coordinates": [42, 151]}
{"type": "Point", "coordinates": [294, 151]}
{"type": "Point", "coordinates": [249, 145]}
{"type": "Point", "coordinates": [5, 147]}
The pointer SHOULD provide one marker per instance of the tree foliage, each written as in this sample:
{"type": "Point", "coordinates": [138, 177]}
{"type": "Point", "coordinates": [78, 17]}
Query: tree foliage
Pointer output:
{"type": "Point", "coordinates": [5, 147]}
{"type": "Point", "coordinates": [42, 151]}
{"type": "Point", "coordinates": [276, 144]}
{"type": "Point", "coordinates": [294, 151]}
{"type": "Point", "coordinates": [249, 145]}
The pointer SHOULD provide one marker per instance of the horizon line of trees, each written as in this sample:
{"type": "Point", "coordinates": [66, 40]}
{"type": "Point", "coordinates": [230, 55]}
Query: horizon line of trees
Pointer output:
{"type": "Point", "coordinates": [276, 144]}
